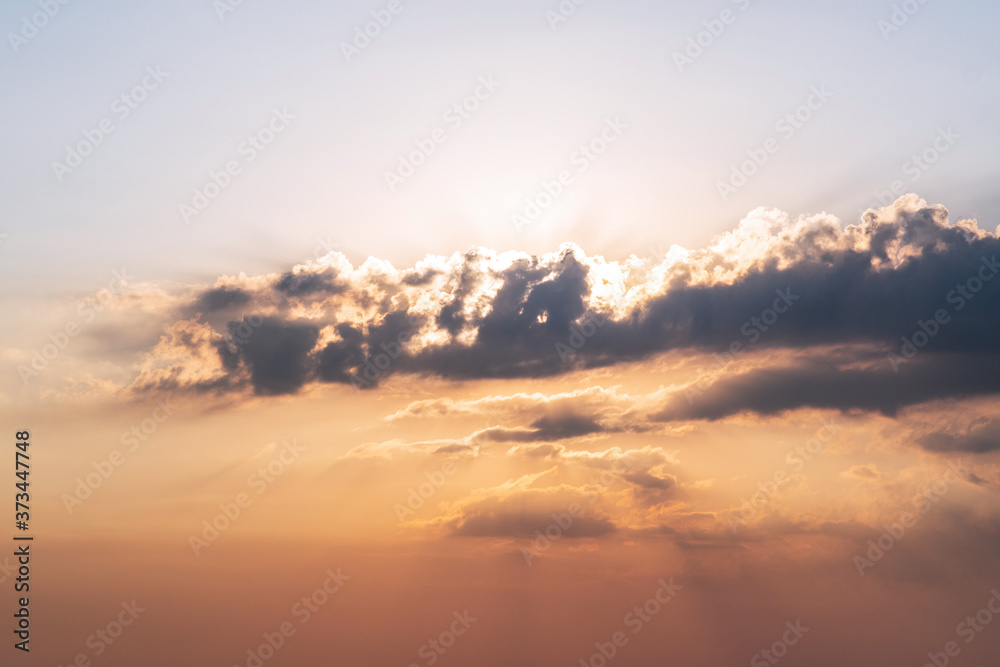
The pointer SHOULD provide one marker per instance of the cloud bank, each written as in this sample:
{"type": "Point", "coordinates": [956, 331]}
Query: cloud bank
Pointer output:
{"type": "Point", "coordinates": [894, 311]}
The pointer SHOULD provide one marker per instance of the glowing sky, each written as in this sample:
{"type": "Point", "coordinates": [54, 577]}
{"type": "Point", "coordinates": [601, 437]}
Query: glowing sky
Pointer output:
{"type": "Point", "coordinates": [504, 336]}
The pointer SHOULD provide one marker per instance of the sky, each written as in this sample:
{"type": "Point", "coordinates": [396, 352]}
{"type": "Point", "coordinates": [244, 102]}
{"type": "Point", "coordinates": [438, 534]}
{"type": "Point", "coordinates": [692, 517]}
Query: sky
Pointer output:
{"type": "Point", "coordinates": [503, 333]}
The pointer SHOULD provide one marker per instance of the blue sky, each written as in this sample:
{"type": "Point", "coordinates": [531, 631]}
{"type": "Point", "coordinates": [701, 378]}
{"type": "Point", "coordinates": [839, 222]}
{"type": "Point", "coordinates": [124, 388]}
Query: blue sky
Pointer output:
{"type": "Point", "coordinates": [322, 180]}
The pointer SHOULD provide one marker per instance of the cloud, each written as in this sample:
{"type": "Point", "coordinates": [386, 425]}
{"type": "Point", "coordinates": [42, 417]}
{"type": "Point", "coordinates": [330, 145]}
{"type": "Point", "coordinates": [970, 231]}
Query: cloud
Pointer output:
{"type": "Point", "coordinates": [865, 472]}
{"type": "Point", "coordinates": [606, 404]}
{"type": "Point", "coordinates": [276, 355]}
{"type": "Point", "coordinates": [830, 381]}
{"type": "Point", "coordinates": [980, 437]}
{"type": "Point", "coordinates": [505, 519]}
{"type": "Point", "coordinates": [772, 284]}
{"type": "Point", "coordinates": [310, 283]}
{"type": "Point", "coordinates": [518, 508]}
{"type": "Point", "coordinates": [545, 428]}
{"type": "Point", "coordinates": [220, 298]}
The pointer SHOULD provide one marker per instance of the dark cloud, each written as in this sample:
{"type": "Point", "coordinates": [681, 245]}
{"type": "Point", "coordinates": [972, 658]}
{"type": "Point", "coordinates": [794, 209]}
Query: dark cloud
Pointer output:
{"type": "Point", "coordinates": [510, 522]}
{"type": "Point", "coordinates": [276, 354]}
{"type": "Point", "coordinates": [546, 428]}
{"type": "Point", "coordinates": [220, 298]}
{"type": "Point", "coordinates": [649, 481]}
{"type": "Point", "coordinates": [308, 284]}
{"type": "Point", "coordinates": [366, 358]}
{"type": "Point", "coordinates": [338, 358]}
{"type": "Point", "coordinates": [534, 309]}
{"type": "Point", "coordinates": [803, 285]}
{"type": "Point", "coordinates": [823, 383]}
{"type": "Point", "coordinates": [557, 427]}
{"type": "Point", "coordinates": [453, 449]}
{"type": "Point", "coordinates": [979, 438]}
